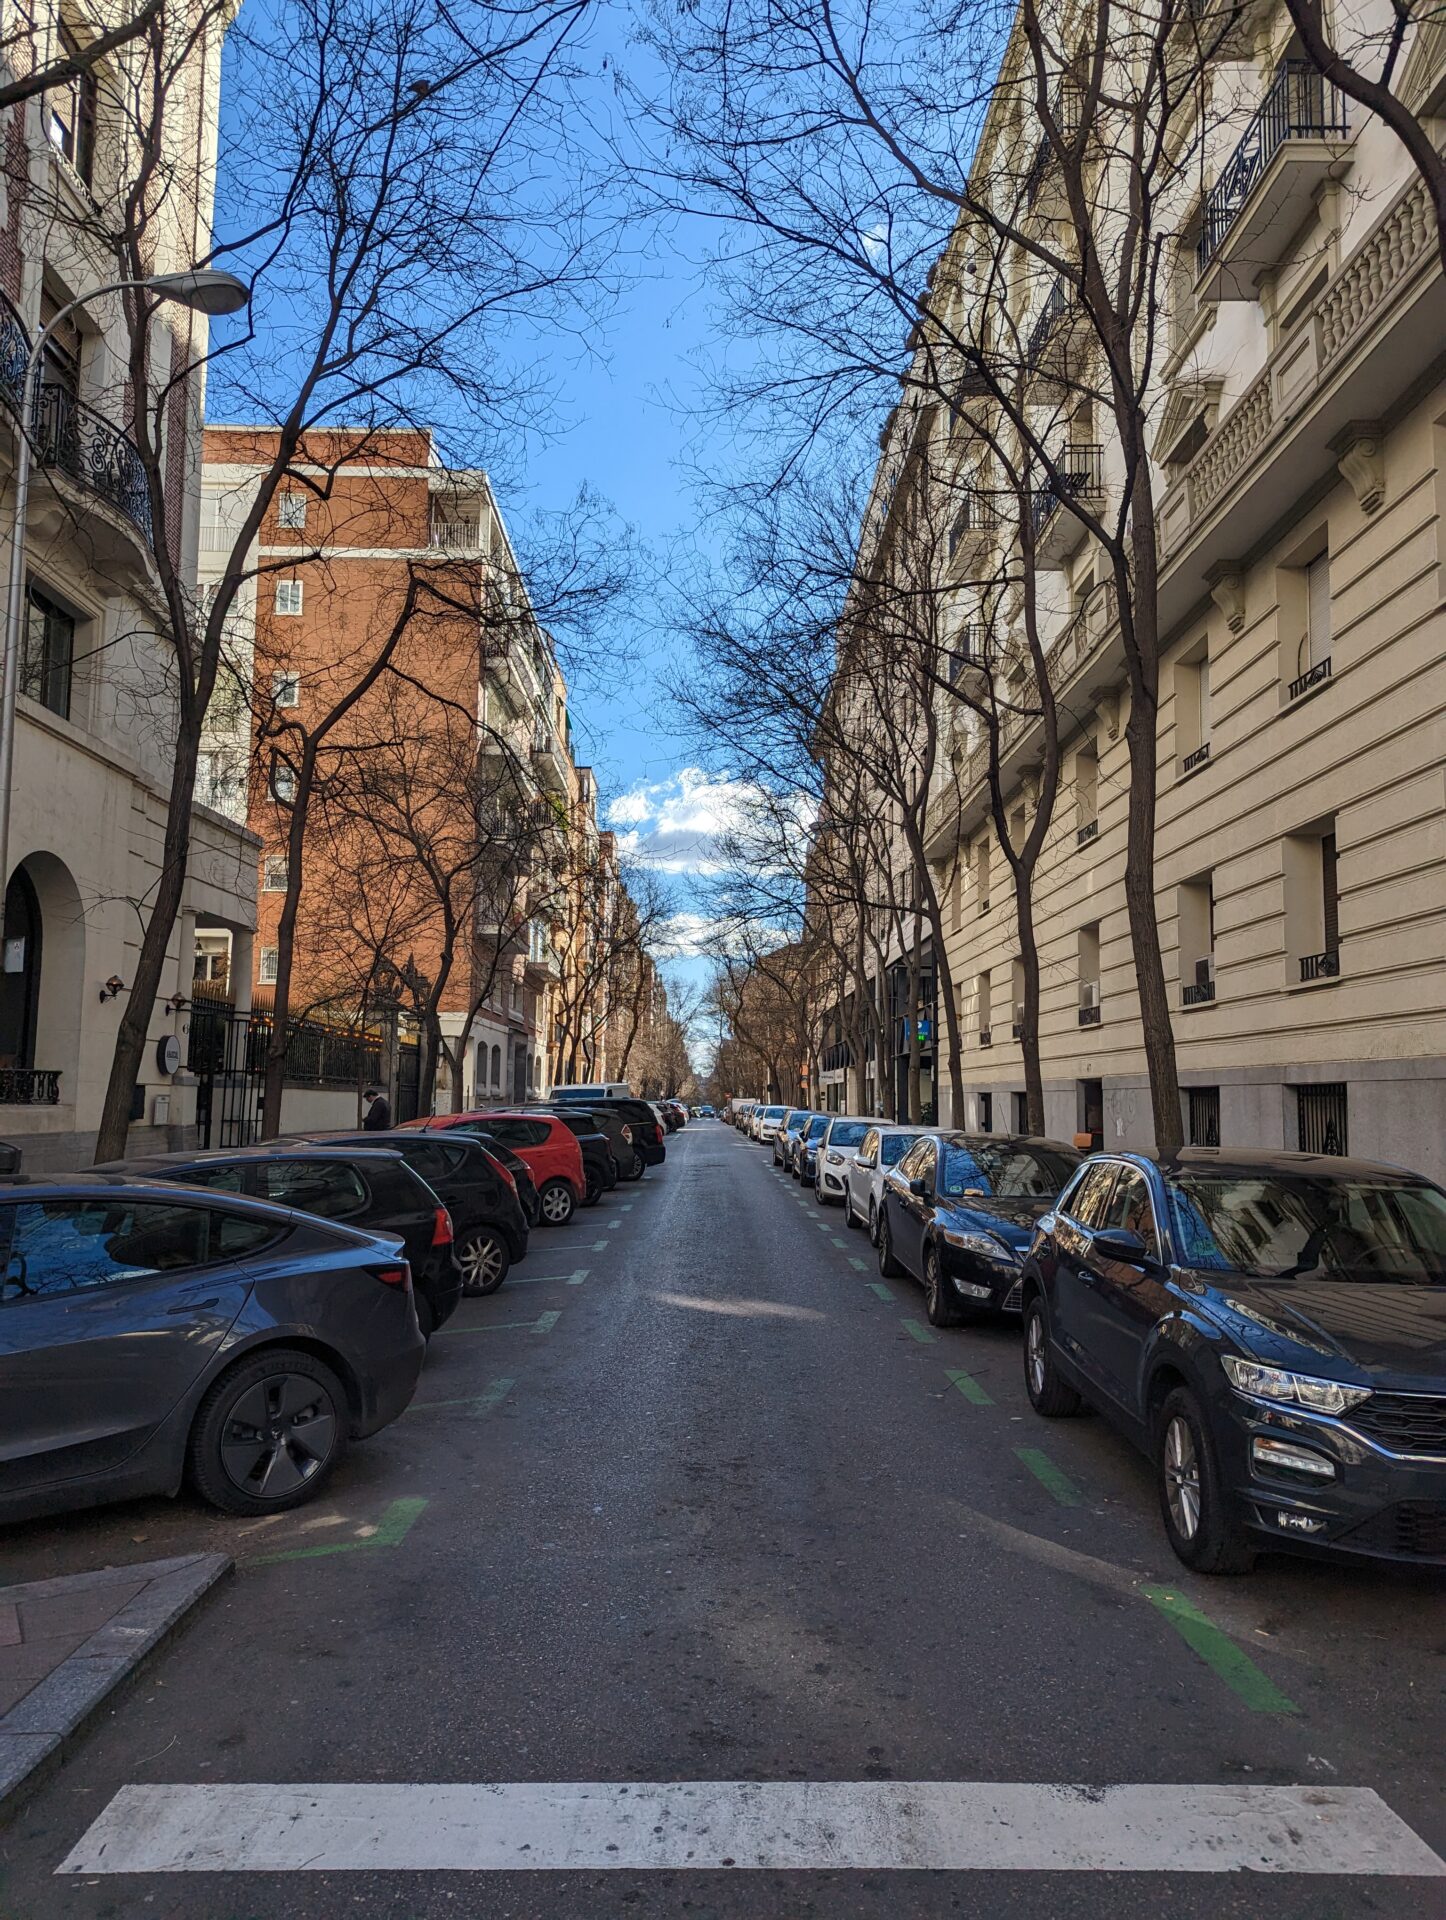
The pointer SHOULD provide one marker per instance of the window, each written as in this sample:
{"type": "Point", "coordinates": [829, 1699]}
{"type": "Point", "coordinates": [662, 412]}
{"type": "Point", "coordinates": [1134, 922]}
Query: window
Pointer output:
{"type": "Point", "coordinates": [1086, 794]}
{"type": "Point", "coordinates": [1195, 910]}
{"type": "Point", "coordinates": [291, 510]}
{"type": "Point", "coordinates": [496, 1066]}
{"type": "Point", "coordinates": [1089, 974]}
{"type": "Point", "coordinates": [1091, 1198]}
{"type": "Point", "coordinates": [218, 784]}
{"type": "Point", "coordinates": [1312, 905]}
{"type": "Point", "coordinates": [1016, 994]}
{"type": "Point", "coordinates": [986, 1113]}
{"type": "Point", "coordinates": [982, 1010]}
{"type": "Point", "coordinates": [289, 596]}
{"type": "Point", "coordinates": [49, 652]}
{"type": "Point", "coordinates": [918, 1164]}
{"type": "Point", "coordinates": [275, 871]}
{"type": "Point", "coordinates": [68, 1246]}
{"type": "Point", "coordinates": [1204, 1104]}
{"type": "Point", "coordinates": [328, 1187]}
{"type": "Point", "coordinates": [1021, 1112]}
{"type": "Point", "coordinates": [286, 688]}
{"type": "Point", "coordinates": [1321, 1118]}
{"type": "Point", "coordinates": [283, 781]}
{"type": "Point", "coordinates": [1192, 709]}
{"type": "Point", "coordinates": [1131, 1210]}
{"type": "Point", "coordinates": [1303, 616]}
{"type": "Point", "coordinates": [270, 965]}
{"type": "Point", "coordinates": [71, 108]}
{"type": "Point", "coordinates": [981, 874]}
{"type": "Point", "coordinates": [868, 1153]}
{"type": "Point", "coordinates": [1318, 610]}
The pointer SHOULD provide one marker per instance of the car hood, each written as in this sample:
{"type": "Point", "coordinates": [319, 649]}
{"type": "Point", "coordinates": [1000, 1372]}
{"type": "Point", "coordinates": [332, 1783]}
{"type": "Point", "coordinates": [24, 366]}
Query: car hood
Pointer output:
{"type": "Point", "coordinates": [1387, 1330]}
{"type": "Point", "coordinates": [1011, 1220]}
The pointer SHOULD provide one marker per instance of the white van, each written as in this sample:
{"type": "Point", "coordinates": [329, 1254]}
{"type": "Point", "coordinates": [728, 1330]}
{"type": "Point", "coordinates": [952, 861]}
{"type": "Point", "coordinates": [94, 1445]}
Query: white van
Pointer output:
{"type": "Point", "coordinates": [595, 1090]}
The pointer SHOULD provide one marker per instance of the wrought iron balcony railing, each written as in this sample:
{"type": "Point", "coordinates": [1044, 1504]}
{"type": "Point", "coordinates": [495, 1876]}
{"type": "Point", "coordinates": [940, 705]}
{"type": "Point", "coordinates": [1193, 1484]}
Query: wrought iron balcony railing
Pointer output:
{"type": "Point", "coordinates": [1312, 677]}
{"type": "Point", "coordinates": [1049, 317]}
{"type": "Point", "coordinates": [1321, 966]}
{"type": "Point", "coordinates": [14, 352]}
{"type": "Point", "coordinates": [84, 444]}
{"type": "Point", "coordinates": [1197, 993]}
{"type": "Point", "coordinates": [29, 1087]}
{"type": "Point", "coordinates": [986, 1037]}
{"type": "Point", "coordinates": [1084, 834]}
{"type": "Point", "coordinates": [1081, 473]}
{"type": "Point", "coordinates": [1299, 105]}
{"type": "Point", "coordinates": [1197, 758]}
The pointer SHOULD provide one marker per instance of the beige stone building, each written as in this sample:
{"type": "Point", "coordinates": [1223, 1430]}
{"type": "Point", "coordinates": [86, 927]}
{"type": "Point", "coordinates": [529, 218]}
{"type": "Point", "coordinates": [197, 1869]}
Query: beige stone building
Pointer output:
{"type": "Point", "coordinates": [1298, 440]}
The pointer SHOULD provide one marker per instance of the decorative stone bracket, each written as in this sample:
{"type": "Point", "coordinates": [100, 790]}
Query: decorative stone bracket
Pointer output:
{"type": "Point", "coordinates": [1227, 589]}
{"type": "Point", "coordinates": [1361, 459]}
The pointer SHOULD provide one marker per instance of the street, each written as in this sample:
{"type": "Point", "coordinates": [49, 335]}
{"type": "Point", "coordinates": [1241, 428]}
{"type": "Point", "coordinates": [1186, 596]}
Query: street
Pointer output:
{"type": "Point", "coordinates": [698, 1498]}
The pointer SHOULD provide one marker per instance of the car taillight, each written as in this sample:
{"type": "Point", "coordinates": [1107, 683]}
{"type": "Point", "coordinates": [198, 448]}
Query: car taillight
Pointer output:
{"type": "Point", "coordinates": [441, 1228]}
{"type": "Point", "coordinates": [658, 1133]}
{"type": "Point", "coordinates": [395, 1277]}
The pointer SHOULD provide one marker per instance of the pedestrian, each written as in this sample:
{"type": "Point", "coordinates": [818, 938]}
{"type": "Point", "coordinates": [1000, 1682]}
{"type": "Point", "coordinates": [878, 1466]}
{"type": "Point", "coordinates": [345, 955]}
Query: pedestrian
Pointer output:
{"type": "Point", "coordinates": [378, 1111]}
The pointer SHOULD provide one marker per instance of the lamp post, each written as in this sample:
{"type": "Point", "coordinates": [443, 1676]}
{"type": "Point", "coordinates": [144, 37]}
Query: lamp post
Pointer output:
{"type": "Point", "coordinates": [204, 290]}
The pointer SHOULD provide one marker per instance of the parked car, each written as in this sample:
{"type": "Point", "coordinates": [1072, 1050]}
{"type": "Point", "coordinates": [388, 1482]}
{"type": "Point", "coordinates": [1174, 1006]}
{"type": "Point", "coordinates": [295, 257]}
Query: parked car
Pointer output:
{"type": "Point", "coordinates": [793, 1118]}
{"type": "Point", "coordinates": [840, 1140]}
{"type": "Point", "coordinates": [607, 1120]}
{"type": "Point", "coordinates": [742, 1110]}
{"type": "Point", "coordinates": [599, 1169]}
{"type": "Point", "coordinates": [766, 1123]}
{"type": "Point", "coordinates": [586, 1091]}
{"type": "Point", "coordinates": [369, 1188]}
{"type": "Point", "coordinates": [958, 1213]}
{"type": "Point", "coordinates": [649, 1133]}
{"type": "Point", "coordinates": [1271, 1329]}
{"type": "Point", "coordinates": [791, 1133]}
{"type": "Point", "coordinates": [153, 1335]}
{"type": "Point", "coordinates": [678, 1111]}
{"type": "Point", "coordinates": [804, 1152]}
{"type": "Point", "coordinates": [549, 1149]}
{"type": "Point", "coordinates": [882, 1147]}
{"type": "Point", "coordinates": [489, 1222]}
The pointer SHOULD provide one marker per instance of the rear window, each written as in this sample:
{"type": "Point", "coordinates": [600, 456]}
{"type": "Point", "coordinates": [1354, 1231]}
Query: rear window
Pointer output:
{"type": "Point", "coordinates": [893, 1147]}
{"type": "Point", "coordinates": [847, 1133]}
{"type": "Point", "coordinates": [330, 1188]}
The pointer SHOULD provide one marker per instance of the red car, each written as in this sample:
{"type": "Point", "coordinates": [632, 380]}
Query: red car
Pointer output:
{"type": "Point", "coordinates": [549, 1149]}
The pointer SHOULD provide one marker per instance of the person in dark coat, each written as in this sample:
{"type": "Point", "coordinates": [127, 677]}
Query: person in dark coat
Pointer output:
{"type": "Point", "coordinates": [378, 1111]}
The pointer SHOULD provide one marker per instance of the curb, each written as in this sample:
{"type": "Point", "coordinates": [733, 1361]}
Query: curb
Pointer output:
{"type": "Point", "coordinates": [39, 1728]}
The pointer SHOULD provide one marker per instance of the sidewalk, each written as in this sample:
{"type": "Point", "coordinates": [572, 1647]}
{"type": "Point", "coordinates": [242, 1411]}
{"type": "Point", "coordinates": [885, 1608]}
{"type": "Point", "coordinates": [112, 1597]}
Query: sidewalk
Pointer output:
{"type": "Point", "coordinates": [66, 1644]}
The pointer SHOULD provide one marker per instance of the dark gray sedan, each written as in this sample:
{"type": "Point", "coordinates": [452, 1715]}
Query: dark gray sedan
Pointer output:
{"type": "Point", "coordinates": [150, 1336]}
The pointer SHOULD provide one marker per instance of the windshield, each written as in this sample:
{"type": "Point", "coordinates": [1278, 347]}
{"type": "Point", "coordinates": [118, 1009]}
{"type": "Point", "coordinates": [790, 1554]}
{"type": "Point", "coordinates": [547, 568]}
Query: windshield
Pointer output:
{"type": "Point", "coordinates": [848, 1133]}
{"type": "Point", "coordinates": [1281, 1226]}
{"type": "Point", "coordinates": [1026, 1173]}
{"type": "Point", "coordinates": [773, 1113]}
{"type": "Point", "coordinates": [894, 1146]}
{"type": "Point", "coordinates": [815, 1126]}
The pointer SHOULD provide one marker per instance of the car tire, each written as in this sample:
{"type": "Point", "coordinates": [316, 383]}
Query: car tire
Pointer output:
{"type": "Point", "coordinates": [889, 1267]}
{"type": "Point", "coordinates": [559, 1203]}
{"type": "Point", "coordinates": [230, 1455]}
{"type": "Point", "coordinates": [637, 1169]}
{"type": "Point", "coordinates": [873, 1225]}
{"type": "Point", "coordinates": [482, 1260]}
{"type": "Point", "coordinates": [1192, 1502]}
{"type": "Point", "coordinates": [851, 1219]}
{"type": "Point", "coordinates": [939, 1309]}
{"type": "Point", "coordinates": [1049, 1394]}
{"type": "Point", "coordinates": [820, 1198]}
{"type": "Point", "coordinates": [593, 1194]}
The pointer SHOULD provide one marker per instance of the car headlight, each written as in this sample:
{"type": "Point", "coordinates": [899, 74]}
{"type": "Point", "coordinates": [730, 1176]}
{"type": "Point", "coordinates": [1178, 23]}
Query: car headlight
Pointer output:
{"type": "Point", "coordinates": [1297, 1389]}
{"type": "Point", "coordinates": [983, 1246]}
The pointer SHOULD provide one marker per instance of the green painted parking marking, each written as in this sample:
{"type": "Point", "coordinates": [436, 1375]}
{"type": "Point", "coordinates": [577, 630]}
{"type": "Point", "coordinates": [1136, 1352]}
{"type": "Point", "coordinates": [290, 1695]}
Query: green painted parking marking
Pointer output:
{"type": "Point", "coordinates": [390, 1531]}
{"type": "Point", "coordinates": [969, 1387]}
{"type": "Point", "coordinates": [878, 1287]}
{"type": "Point", "coordinates": [834, 1241]}
{"type": "Point", "coordinates": [493, 1395]}
{"type": "Point", "coordinates": [1219, 1652]}
{"type": "Point", "coordinates": [916, 1332]}
{"type": "Point", "coordinates": [615, 1223]}
{"type": "Point", "coordinates": [544, 1323]}
{"type": "Point", "coordinates": [573, 1279]}
{"type": "Point", "coordinates": [861, 1265]}
{"type": "Point", "coordinates": [1049, 1476]}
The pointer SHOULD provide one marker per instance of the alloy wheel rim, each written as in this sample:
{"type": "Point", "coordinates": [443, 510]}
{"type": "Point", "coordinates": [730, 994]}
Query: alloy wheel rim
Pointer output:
{"type": "Point", "coordinates": [480, 1261]}
{"type": "Point", "coordinates": [931, 1278]}
{"type": "Point", "coordinates": [556, 1205]}
{"type": "Point", "coordinates": [1182, 1478]}
{"type": "Point", "coordinates": [1035, 1343]}
{"type": "Point", "coordinates": [277, 1435]}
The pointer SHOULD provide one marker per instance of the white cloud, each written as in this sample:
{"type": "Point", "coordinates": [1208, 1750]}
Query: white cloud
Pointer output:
{"type": "Point", "coordinates": [676, 824]}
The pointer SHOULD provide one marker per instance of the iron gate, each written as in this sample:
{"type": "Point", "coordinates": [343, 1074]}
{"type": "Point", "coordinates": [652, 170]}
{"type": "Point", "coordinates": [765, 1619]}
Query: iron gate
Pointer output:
{"type": "Point", "coordinates": [227, 1056]}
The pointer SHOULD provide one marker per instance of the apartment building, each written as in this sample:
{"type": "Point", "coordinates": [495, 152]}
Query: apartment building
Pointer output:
{"type": "Point", "coordinates": [1298, 458]}
{"type": "Point", "coordinates": [96, 708]}
{"type": "Point", "coordinates": [446, 789]}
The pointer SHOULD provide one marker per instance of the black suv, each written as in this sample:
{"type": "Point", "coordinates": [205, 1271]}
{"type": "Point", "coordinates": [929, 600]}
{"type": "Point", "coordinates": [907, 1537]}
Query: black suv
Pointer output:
{"type": "Point", "coordinates": [612, 1125]}
{"type": "Point", "coordinates": [373, 1190]}
{"type": "Point", "coordinates": [1271, 1329]}
{"type": "Point", "coordinates": [489, 1222]}
{"type": "Point", "coordinates": [599, 1169]}
{"type": "Point", "coordinates": [649, 1134]}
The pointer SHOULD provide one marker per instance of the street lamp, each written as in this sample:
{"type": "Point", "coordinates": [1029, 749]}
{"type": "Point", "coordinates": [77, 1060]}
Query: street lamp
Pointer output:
{"type": "Point", "coordinates": [203, 289]}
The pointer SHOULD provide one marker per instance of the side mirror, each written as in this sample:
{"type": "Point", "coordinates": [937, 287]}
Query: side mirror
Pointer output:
{"type": "Point", "coordinates": [918, 1187]}
{"type": "Point", "coordinates": [1121, 1244]}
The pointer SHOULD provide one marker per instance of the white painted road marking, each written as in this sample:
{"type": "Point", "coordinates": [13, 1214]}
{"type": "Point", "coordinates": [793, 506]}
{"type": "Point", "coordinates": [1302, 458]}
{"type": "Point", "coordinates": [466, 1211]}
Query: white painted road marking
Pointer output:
{"type": "Point", "coordinates": [873, 1825]}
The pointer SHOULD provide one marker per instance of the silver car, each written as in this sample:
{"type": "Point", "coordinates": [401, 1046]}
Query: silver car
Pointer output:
{"type": "Point", "coordinates": [842, 1138]}
{"type": "Point", "coordinates": [882, 1147]}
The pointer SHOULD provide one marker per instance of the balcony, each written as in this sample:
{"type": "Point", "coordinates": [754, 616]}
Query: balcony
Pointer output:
{"type": "Point", "coordinates": [14, 352]}
{"type": "Point", "coordinates": [29, 1087]}
{"type": "Point", "coordinates": [1080, 474]}
{"type": "Point", "coordinates": [549, 760]}
{"type": "Point", "coordinates": [971, 534]}
{"type": "Point", "coordinates": [1046, 351]}
{"type": "Point", "coordinates": [1293, 145]}
{"type": "Point", "coordinates": [456, 536]}
{"type": "Point", "coordinates": [1084, 834]}
{"type": "Point", "coordinates": [89, 450]}
{"type": "Point", "coordinates": [1199, 993]}
{"type": "Point", "coordinates": [986, 1037]}
{"type": "Point", "coordinates": [1315, 676]}
{"type": "Point", "coordinates": [1196, 759]}
{"type": "Point", "coordinates": [1320, 966]}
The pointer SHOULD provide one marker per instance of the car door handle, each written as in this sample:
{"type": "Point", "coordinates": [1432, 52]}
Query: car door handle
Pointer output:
{"type": "Point", "coordinates": [194, 1306]}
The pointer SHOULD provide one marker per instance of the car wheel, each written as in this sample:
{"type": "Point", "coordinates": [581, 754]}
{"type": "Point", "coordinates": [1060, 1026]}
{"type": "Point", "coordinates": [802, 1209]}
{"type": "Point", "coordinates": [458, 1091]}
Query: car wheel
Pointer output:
{"type": "Point", "coordinates": [820, 1199]}
{"type": "Point", "coordinates": [1192, 1504]}
{"type": "Point", "coordinates": [594, 1193]}
{"type": "Point", "coordinates": [873, 1224]}
{"type": "Point", "coordinates": [637, 1169]}
{"type": "Point", "coordinates": [482, 1261]}
{"type": "Point", "coordinates": [888, 1265]}
{"type": "Point", "coordinates": [268, 1433]}
{"type": "Point", "coordinates": [938, 1306]}
{"type": "Point", "coordinates": [558, 1204]}
{"type": "Point", "coordinates": [1048, 1394]}
{"type": "Point", "coordinates": [851, 1219]}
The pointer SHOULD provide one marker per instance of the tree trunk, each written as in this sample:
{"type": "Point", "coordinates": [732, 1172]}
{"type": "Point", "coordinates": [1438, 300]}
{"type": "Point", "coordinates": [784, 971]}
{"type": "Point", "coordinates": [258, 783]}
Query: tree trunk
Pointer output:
{"type": "Point", "coordinates": [274, 1079]}
{"type": "Point", "coordinates": [1029, 962]}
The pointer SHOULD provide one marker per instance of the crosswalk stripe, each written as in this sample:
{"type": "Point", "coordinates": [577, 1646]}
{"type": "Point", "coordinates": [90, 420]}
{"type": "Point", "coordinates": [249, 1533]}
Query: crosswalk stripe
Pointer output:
{"type": "Point", "coordinates": [867, 1824]}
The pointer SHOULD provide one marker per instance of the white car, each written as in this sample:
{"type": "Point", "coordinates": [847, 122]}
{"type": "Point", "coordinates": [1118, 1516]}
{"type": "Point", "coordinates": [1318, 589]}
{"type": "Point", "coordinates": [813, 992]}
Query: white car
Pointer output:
{"type": "Point", "coordinates": [841, 1140]}
{"type": "Point", "coordinates": [882, 1147]}
{"type": "Point", "coordinates": [766, 1122]}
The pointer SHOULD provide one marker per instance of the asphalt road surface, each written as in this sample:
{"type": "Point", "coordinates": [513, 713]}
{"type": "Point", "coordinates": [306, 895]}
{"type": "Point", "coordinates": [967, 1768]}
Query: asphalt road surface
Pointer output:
{"type": "Point", "coordinates": [703, 1580]}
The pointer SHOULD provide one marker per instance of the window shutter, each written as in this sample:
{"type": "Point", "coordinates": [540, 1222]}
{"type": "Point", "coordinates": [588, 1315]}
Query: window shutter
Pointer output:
{"type": "Point", "coordinates": [1318, 608]}
{"type": "Point", "coordinates": [1330, 898]}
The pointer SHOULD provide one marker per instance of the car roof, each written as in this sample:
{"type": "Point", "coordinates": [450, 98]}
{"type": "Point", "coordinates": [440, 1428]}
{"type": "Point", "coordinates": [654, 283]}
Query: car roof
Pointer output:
{"type": "Point", "coordinates": [1252, 1162]}
{"type": "Point", "coordinates": [76, 1186]}
{"type": "Point", "coordinates": [962, 1139]}
{"type": "Point", "coordinates": [228, 1156]}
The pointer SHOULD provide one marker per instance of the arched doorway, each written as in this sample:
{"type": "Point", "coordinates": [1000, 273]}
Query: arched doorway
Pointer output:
{"type": "Point", "coordinates": [20, 972]}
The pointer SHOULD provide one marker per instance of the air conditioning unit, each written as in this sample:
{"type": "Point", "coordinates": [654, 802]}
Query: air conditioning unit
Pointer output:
{"type": "Point", "coordinates": [1205, 971]}
{"type": "Point", "coordinates": [1089, 993]}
